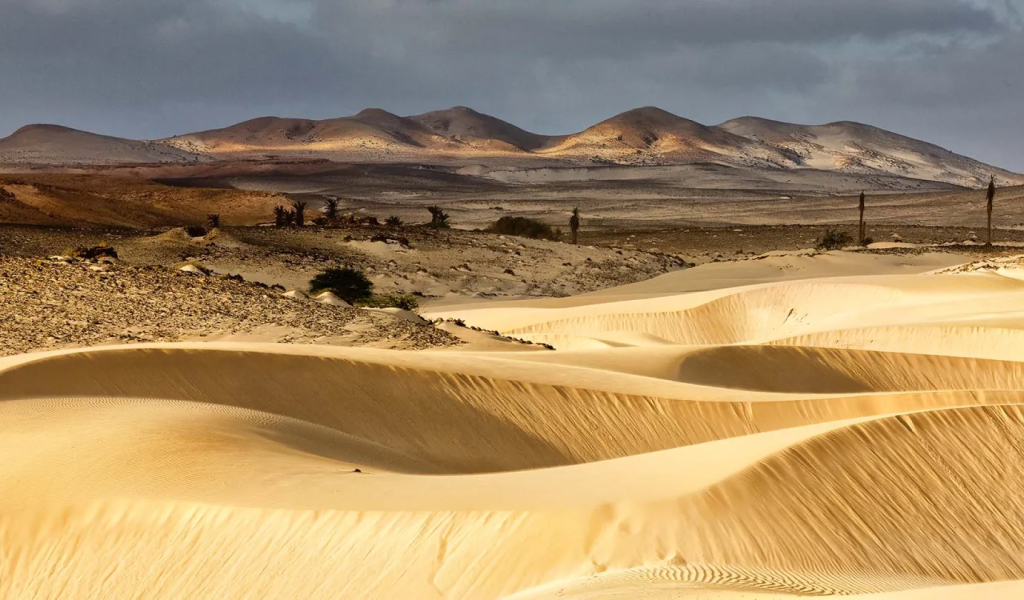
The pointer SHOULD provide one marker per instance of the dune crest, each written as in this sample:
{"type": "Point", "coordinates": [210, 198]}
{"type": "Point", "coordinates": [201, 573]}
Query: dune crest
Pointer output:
{"type": "Point", "coordinates": [718, 433]}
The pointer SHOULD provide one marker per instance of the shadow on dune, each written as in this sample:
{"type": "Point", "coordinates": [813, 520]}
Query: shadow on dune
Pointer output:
{"type": "Point", "coordinates": [806, 370]}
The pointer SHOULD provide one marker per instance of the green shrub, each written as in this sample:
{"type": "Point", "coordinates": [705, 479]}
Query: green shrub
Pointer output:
{"type": "Point", "coordinates": [348, 284]}
{"type": "Point", "coordinates": [394, 300]}
{"type": "Point", "coordinates": [833, 239]}
{"type": "Point", "coordinates": [523, 227]}
{"type": "Point", "coordinates": [393, 221]}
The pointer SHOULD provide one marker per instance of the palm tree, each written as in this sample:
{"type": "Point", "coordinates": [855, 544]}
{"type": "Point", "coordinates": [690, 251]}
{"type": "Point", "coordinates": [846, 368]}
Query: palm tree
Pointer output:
{"type": "Point", "coordinates": [300, 210]}
{"type": "Point", "coordinates": [990, 195]}
{"type": "Point", "coordinates": [213, 220]}
{"type": "Point", "coordinates": [438, 217]}
{"type": "Point", "coordinates": [280, 216]}
{"type": "Point", "coordinates": [331, 208]}
{"type": "Point", "coordinates": [574, 224]}
{"type": "Point", "coordinates": [863, 233]}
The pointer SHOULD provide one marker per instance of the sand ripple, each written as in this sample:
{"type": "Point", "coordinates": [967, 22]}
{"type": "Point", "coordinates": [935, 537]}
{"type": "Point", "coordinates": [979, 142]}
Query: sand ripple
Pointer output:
{"type": "Point", "coordinates": [862, 436]}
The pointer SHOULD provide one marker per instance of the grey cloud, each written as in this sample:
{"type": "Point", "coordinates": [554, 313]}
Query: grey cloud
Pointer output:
{"type": "Point", "coordinates": [147, 68]}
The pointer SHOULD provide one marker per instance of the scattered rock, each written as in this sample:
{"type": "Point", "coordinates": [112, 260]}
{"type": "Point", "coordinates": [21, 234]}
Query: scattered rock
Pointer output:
{"type": "Point", "coordinates": [57, 304]}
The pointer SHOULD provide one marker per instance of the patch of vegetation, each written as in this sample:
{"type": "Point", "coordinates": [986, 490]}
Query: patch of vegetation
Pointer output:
{"type": "Point", "coordinates": [348, 284]}
{"type": "Point", "coordinates": [438, 217]}
{"type": "Point", "coordinates": [92, 252]}
{"type": "Point", "coordinates": [393, 221]}
{"type": "Point", "coordinates": [331, 208]}
{"type": "Point", "coordinates": [353, 287]}
{"type": "Point", "coordinates": [393, 300]}
{"type": "Point", "coordinates": [833, 239]}
{"type": "Point", "coordinates": [280, 216]}
{"type": "Point", "coordinates": [523, 227]}
{"type": "Point", "coordinates": [213, 220]}
{"type": "Point", "coordinates": [299, 212]}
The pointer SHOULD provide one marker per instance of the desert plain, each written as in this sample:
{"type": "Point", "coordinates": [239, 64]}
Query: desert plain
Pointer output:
{"type": "Point", "coordinates": [695, 401]}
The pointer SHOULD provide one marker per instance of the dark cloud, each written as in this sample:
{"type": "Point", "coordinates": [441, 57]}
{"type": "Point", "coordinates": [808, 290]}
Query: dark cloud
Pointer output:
{"type": "Point", "coordinates": [944, 70]}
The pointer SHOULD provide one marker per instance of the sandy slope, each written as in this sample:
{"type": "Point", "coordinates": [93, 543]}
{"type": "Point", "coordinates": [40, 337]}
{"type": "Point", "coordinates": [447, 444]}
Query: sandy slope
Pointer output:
{"type": "Point", "coordinates": [860, 434]}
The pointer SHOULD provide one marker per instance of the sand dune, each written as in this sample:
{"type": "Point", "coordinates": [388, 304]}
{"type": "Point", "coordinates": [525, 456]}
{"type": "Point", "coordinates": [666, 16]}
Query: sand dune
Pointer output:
{"type": "Point", "coordinates": [850, 435]}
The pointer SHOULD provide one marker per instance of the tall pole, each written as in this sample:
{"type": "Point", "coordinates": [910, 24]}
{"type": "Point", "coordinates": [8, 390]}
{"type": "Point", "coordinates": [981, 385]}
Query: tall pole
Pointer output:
{"type": "Point", "coordinates": [861, 230]}
{"type": "Point", "coordinates": [990, 196]}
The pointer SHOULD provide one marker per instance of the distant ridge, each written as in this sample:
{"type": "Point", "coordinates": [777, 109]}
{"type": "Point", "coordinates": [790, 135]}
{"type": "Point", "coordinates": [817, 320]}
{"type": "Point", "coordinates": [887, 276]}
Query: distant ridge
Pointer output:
{"type": "Point", "coordinates": [466, 123]}
{"type": "Point", "coordinates": [638, 137]}
{"type": "Point", "coordinates": [50, 144]}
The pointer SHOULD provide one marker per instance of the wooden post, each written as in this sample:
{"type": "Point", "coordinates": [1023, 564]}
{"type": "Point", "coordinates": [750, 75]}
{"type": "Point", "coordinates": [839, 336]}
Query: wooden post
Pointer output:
{"type": "Point", "coordinates": [861, 230]}
{"type": "Point", "coordinates": [990, 196]}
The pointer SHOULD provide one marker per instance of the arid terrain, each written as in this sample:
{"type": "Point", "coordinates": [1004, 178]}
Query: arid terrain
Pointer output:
{"type": "Point", "coordinates": [715, 432]}
{"type": "Point", "coordinates": [703, 398]}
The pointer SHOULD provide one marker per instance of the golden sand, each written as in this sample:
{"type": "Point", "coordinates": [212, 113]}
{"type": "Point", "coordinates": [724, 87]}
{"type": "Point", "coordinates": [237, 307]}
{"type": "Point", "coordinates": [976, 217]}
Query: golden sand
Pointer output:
{"type": "Point", "coordinates": [769, 437]}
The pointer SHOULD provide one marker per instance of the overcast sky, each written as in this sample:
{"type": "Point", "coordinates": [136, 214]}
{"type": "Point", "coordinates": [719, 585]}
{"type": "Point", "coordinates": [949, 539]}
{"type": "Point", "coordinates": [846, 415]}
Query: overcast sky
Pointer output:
{"type": "Point", "coordinates": [947, 71]}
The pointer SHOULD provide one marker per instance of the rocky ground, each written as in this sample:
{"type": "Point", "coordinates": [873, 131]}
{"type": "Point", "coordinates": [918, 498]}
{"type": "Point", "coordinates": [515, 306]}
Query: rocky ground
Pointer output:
{"type": "Point", "coordinates": [47, 304]}
{"type": "Point", "coordinates": [433, 264]}
{"type": "Point", "coordinates": [143, 296]}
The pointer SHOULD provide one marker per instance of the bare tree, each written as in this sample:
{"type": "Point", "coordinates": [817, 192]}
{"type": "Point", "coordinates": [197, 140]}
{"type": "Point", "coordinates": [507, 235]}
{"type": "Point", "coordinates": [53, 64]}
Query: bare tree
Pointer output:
{"type": "Point", "coordinates": [331, 208]}
{"type": "Point", "coordinates": [862, 232]}
{"type": "Point", "coordinates": [574, 224]}
{"type": "Point", "coordinates": [990, 195]}
{"type": "Point", "coordinates": [299, 208]}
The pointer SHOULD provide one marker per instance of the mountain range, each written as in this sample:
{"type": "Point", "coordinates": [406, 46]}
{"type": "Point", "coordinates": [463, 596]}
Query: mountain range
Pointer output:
{"type": "Point", "coordinates": [640, 137]}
